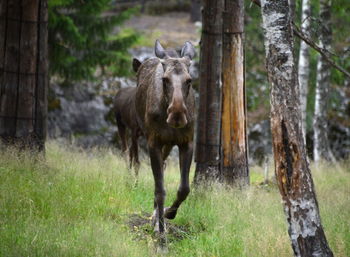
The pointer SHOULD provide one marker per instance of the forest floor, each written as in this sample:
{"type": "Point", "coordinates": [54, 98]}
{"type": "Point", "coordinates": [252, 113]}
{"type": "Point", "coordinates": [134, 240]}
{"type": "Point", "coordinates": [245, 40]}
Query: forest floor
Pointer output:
{"type": "Point", "coordinates": [85, 203]}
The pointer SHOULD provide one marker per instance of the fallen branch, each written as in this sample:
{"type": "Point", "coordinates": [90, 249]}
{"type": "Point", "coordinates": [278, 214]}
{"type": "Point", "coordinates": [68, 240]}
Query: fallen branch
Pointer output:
{"type": "Point", "coordinates": [312, 44]}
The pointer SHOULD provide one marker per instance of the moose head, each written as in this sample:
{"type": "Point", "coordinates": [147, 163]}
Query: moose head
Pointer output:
{"type": "Point", "coordinates": [176, 81]}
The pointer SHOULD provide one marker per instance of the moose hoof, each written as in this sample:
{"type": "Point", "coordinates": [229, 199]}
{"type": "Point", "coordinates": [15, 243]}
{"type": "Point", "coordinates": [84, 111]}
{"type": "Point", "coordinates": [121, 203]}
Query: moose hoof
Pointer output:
{"type": "Point", "coordinates": [154, 218]}
{"type": "Point", "coordinates": [155, 222]}
{"type": "Point", "coordinates": [156, 227]}
{"type": "Point", "coordinates": [162, 245]}
{"type": "Point", "coordinates": [170, 213]}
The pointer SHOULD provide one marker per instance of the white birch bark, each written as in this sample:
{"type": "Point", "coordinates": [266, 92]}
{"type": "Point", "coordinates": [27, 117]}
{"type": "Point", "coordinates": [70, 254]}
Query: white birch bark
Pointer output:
{"type": "Point", "coordinates": [291, 166]}
{"type": "Point", "coordinates": [304, 62]}
{"type": "Point", "coordinates": [320, 123]}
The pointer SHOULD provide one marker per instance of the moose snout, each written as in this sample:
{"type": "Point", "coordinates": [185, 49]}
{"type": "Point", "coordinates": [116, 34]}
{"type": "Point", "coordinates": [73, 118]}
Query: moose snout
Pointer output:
{"type": "Point", "coordinates": [177, 116]}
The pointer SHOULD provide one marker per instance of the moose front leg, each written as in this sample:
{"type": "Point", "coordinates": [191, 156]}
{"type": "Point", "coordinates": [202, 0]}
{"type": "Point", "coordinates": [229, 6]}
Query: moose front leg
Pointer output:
{"type": "Point", "coordinates": [155, 153]}
{"type": "Point", "coordinates": [165, 153]}
{"type": "Point", "coordinates": [185, 152]}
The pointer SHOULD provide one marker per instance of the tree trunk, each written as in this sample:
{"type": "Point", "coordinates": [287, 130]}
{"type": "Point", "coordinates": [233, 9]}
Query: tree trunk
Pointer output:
{"type": "Point", "coordinates": [195, 10]}
{"type": "Point", "coordinates": [209, 115]}
{"type": "Point", "coordinates": [304, 62]}
{"type": "Point", "coordinates": [321, 145]}
{"type": "Point", "coordinates": [234, 135]}
{"type": "Point", "coordinates": [24, 80]}
{"type": "Point", "coordinates": [291, 166]}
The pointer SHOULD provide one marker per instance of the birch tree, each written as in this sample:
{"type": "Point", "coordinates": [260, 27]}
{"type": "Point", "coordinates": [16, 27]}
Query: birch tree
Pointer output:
{"type": "Point", "coordinates": [320, 124]}
{"type": "Point", "coordinates": [291, 166]}
{"type": "Point", "coordinates": [23, 72]}
{"type": "Point", "coordinates": [304, 62]}
{"type": "Point", "coordinates": [209, 115]}
{"type": "Point", "coordinates": [233, 128]}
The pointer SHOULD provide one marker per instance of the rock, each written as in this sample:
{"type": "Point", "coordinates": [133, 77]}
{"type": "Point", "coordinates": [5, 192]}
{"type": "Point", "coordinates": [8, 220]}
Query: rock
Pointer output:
{"type": "Point", "coordinates": [259, 142]}
{"type": "Point", "coordinates": [142, 53]}
{"type": "Point", "coordinates": [82, 112]}
{"type": "Point", "coordinates": [339, 139]}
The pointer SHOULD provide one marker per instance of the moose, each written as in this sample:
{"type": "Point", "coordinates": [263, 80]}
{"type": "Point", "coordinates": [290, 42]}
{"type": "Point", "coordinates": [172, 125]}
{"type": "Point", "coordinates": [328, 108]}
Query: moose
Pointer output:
{"type": "Point", "coordinates": [125, 115]}
{"type": "Point", "coordinates": [165, 114]}
{"type": "Point", "coordinates": [124, 109]}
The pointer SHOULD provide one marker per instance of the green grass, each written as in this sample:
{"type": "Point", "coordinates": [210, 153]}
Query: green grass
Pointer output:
{"type": "Point", "coordinates": [79, 203]}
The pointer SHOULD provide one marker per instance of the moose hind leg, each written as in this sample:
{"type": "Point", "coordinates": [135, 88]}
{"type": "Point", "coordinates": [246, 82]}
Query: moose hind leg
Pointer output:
{"type": "Point", "coordinates": [135, 149]}
{"type": "Point", "coordinates": [122, 132]}
{"type": "Point", "coordinates": [185, 153]}
{"type": "Point", "coordinates": [159, 191]}
{"type": "Point", "coordinates": [131, 156]}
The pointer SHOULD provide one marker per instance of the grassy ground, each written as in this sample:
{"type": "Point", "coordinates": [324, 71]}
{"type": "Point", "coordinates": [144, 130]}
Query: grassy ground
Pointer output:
{"type": "Point", "coordinates": [80, 203]}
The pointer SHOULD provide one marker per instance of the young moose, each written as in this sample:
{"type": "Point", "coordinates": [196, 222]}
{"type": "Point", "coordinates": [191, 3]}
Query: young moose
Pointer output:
{"type": "Point", "coordinates": [165, 113]}
{"type": "Point", "coordinates": [125, 115]}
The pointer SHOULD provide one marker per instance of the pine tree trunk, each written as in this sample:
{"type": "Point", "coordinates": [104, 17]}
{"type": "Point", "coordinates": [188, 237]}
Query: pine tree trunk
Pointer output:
{"type": "Point", "coordinates": [304, 62]}
{"type": "Point", "coordinates": [321, 143]}
{"type": "Point", "coordinates": [209, 114]}
{"type": "Point", "coordinates": [291, 166]}
{"type": "Point", "coordinates": [234, 143]}
{"type": "Point", "coordinates": [23, 84]}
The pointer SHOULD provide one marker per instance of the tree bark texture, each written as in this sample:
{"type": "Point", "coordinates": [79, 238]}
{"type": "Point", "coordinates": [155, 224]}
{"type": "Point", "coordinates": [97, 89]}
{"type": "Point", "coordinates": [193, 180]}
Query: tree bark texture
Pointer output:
{"type": "Point", "coordinates": [23, 69]}
{"type": "Point", "coordinates": [304, 62]}
{"type": "Point", "coordinates": [291, 166]}
{"type": "Point", "coordinates": [233, 120]}
{"type": "Point", "coordinates": [321, 144]}
{"type": "Point", "coordinates": [209, 115]}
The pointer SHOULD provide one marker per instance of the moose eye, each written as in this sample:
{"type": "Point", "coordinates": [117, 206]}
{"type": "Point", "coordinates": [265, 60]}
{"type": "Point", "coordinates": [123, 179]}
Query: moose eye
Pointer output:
{"type": "Point", "coordinates": [188, 82]}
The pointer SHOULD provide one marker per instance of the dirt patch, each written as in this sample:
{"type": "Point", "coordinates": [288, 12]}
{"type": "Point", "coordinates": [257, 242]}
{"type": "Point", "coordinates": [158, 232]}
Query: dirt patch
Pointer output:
{"type": "Point", "coordinates": [142, 229]}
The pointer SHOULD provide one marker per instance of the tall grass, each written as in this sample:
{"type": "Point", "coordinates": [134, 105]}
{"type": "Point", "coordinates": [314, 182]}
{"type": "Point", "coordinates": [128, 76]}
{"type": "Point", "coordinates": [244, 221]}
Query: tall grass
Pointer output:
{"type": "Point", "coordinates": [79, 203]}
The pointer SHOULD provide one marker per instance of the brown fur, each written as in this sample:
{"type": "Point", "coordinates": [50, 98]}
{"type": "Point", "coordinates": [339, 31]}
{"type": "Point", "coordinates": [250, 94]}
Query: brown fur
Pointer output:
{"type": "Point", "coordinates": [125, 113]}
{"type": "Point", "coordinates": [165, 113]}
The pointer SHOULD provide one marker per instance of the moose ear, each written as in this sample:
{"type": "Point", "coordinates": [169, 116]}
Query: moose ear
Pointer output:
{"type": "Point", "coordinates": [159, 50]}
{"type": "Point", "coordinates": [136, 64]}
{"type": "Point", "coordinates": [188, 50]}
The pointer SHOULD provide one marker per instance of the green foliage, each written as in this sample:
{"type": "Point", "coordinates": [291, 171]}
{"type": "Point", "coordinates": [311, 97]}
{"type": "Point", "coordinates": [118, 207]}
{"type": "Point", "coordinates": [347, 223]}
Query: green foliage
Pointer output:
{"type": "Point", "coordinates": [340, 21]}
{"type": "Point", "coordinates": [256, 77]}
{"type": "Point", "coordinates": [82, 37]}
{"type": "Point", "coordinates": [78, 203]}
